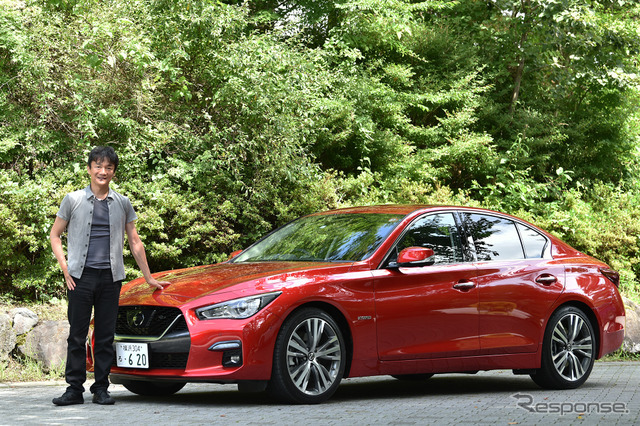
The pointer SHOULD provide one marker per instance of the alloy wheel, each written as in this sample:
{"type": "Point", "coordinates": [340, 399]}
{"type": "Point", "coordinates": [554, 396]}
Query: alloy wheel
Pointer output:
{"type": "Point", "coordinates": [571, 347]}
{"type": "Point", "coordinates": [314, 356]}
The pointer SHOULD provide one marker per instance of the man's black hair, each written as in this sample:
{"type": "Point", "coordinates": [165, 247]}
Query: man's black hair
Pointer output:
{"type": "Point", "coordinates": [100, 153]}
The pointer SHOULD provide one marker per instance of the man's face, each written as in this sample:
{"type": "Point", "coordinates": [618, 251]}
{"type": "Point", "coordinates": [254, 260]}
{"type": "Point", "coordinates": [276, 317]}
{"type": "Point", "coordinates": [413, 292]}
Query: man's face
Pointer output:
{"type": "Point", "coordinates": [101, 172]}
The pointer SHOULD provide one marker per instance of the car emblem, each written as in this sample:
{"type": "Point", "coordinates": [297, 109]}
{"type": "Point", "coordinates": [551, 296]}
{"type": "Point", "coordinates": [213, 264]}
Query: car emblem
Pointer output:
{"type": "Point", "coordinates": [135, 318]}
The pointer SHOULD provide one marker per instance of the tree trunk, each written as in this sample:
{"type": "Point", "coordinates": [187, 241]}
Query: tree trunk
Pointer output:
{"type": "Point", "coordinates": [516, 87]}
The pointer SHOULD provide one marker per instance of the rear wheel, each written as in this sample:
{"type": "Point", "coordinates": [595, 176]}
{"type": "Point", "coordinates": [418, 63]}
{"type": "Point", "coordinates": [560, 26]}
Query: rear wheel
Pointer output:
{"type": "Point", "coordinates": [152, 388]}
{"type": "Point", "coordinates": [568, 350]}
{"type": "Point", "coordinates": [309, 358]}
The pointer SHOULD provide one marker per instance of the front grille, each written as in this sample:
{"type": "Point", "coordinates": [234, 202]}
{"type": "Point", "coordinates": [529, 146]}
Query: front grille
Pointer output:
{"type": "Point", "coordinates": [149, 321]}
{"type": "Point", "coordinates": [164, 329]}
{"type": "Point", "coordinates": [180, 325]}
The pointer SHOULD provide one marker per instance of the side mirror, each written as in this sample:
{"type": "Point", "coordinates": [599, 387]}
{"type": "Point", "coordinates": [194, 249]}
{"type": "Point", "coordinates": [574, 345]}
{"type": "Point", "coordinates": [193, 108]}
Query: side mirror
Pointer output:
{"type": "Point", "coordinates": [414, 256]}
{"type": "Point", "coordinates": [234, 254]}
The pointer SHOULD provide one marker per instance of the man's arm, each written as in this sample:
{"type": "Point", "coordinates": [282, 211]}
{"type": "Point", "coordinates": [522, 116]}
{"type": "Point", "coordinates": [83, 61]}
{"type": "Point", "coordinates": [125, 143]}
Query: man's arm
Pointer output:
{"type": "Point", "coordinates": [137, 249]}
{"type": "Point", "coordinates": [56, 245]}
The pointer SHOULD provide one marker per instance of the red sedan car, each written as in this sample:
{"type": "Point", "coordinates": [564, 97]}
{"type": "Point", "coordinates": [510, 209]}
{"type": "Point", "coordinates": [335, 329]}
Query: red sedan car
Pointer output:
{"type": "Point", "coordinates": [407, 291]}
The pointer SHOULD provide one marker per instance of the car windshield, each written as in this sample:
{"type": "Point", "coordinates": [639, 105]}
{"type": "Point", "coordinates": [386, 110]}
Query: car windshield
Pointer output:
{"type": "Point", "coordinates": [343, 237]}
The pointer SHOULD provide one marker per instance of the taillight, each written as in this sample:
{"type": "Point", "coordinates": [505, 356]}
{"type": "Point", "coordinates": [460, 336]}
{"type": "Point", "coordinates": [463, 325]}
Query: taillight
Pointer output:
{"type": "Point", "coordinates": [613, 276]}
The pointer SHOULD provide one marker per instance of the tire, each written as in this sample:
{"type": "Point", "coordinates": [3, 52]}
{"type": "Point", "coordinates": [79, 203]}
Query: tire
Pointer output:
{"type": "Point", "coordinates": [413, 377]}
{"type": "Point", "coordinates": [309, 358]}
{"type": "Point", "coordinates": [568, 350]}
{"type": "Point", "coordinates": [145, 388]}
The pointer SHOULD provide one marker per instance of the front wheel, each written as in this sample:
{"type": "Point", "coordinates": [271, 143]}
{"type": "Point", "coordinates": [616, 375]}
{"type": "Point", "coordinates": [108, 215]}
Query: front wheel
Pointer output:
{"type": "Point", "coordinates": [568, 350]}
{"type": "Point", "coordinates": [309, 358]}
{"type": "Point", "coordinates": [145, 388]}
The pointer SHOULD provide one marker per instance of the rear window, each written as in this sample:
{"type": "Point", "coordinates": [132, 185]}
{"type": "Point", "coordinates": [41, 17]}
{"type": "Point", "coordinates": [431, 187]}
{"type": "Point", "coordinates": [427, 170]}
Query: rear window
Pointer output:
{"type": "Point", "coordinates": [534, 243]}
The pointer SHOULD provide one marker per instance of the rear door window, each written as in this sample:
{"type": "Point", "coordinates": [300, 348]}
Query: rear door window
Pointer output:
{"type": "Point", "coordinates": [495, 238]}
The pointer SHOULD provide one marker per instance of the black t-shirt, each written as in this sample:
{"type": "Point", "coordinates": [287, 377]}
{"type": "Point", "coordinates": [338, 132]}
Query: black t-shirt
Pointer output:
{"type": "Point", "coordinates": [98, 254]}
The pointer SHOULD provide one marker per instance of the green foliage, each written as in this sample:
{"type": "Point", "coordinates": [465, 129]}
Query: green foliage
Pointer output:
{"type": "Point", "coordinates": [25, 214]}
{"type": "Point", "coordinates": [603, 221]}
{"type": "Point", "coordinates": [565, 80]}
{"type": "Point", "coordinates": [232, 118]}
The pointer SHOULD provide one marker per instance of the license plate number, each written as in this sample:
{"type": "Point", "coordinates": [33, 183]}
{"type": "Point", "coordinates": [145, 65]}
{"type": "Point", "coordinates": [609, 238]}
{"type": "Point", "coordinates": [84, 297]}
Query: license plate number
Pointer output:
{"type": "Point", "coordinates": [132, 355]}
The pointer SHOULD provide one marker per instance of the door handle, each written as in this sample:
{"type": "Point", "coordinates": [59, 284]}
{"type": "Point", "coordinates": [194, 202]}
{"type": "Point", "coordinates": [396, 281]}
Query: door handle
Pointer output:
{"type": "Point", "coordinates": [464, 285]}
{"type": "Point", "coordinates": [546, 279]}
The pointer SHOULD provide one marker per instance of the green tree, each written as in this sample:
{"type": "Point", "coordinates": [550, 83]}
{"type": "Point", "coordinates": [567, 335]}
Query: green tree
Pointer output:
{"type": "Point", "coordinates": [232, 118]}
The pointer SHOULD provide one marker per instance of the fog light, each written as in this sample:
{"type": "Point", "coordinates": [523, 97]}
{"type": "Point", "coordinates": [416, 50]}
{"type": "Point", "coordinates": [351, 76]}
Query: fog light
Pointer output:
{"type": "Point", "coordinates": [231, 352]}
{"type": "Point", "coordinates": [232, 358]}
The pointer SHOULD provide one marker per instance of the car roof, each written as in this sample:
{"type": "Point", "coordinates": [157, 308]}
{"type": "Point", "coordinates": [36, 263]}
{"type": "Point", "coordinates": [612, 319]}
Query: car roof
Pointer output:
{"type": "Point", "coordinates": [403, 209]}
{"type": "Point", "coordinates": [415, 209]}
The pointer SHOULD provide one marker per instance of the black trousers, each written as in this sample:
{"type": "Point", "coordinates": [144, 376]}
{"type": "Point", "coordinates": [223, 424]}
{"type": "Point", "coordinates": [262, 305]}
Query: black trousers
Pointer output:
{"type": "Point", "coordinates": [95, 289]}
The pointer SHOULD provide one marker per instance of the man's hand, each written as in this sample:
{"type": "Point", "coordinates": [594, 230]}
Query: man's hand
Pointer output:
{"type": "Point", "coordinates": [71, 284]}
{"type": "Point", "coordinates": [56, 245]}
{"type": "Point", "coordinates": [157, 284]}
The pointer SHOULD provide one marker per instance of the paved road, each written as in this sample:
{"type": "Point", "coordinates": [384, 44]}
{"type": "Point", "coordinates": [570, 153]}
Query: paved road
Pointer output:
{"type": "Point", "coordinates": [611, 396]}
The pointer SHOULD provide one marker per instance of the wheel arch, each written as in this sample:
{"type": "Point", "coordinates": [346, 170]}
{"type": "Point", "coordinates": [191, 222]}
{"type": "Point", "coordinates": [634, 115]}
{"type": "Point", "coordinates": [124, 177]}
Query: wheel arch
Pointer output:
{"type": "Point", "coordinates": [588, 311]}
{"type": "Point", "coordinates": [340, 319]}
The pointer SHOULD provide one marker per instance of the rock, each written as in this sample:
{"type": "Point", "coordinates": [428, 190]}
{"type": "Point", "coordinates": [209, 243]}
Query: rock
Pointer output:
{"type": "Point", "coordinates": [47, 343]}
{"type": "Point", "coordinates": [23, 320]}
{"type": "Point", "coordinates": [7, 337]}
{"type": "Point", "coordinates": [632, 329]}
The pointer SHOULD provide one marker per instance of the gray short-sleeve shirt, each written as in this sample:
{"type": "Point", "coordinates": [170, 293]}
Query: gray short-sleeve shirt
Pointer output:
{"type": "Point", "coordinates": [77, 209]}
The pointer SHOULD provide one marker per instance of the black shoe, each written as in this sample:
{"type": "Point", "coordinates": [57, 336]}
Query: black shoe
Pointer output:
{"type": "Point", "coordinates": [102, 397]}
{"type": "Point", "coordinates": [69, 398]}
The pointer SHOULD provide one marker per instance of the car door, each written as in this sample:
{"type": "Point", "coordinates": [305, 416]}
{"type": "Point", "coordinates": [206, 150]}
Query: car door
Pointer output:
{"type": "Point", "coordinates": [517, 282]}
{"type": "Point", "coordinates": [428, 311]}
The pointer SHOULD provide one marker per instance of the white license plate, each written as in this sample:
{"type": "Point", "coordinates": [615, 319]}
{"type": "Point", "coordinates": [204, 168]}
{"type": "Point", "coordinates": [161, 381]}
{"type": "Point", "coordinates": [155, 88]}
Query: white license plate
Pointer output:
{"type": "Point", "coordinates": [132, 355]}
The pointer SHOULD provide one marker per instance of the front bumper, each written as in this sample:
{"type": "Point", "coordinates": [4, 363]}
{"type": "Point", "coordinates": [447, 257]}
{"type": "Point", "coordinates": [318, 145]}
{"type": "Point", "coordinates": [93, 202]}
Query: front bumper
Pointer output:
{"type": "Point", "coordinates": [191, 350]}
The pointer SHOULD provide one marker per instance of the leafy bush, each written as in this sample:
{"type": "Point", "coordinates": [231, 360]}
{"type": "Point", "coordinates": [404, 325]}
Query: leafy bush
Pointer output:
{"type": "Point", "coordinates": [601, 220]}
{"type": "Point", "coordinates": [232, 118]}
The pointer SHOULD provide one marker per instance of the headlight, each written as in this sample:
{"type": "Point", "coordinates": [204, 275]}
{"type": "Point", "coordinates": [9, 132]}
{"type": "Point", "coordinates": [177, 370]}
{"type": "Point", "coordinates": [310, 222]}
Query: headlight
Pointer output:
{"type": "Point", "coordinates": [237, 308]}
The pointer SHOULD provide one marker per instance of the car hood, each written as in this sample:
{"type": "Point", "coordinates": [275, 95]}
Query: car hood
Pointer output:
{"type": "Point", "coordinates": [193, 283]}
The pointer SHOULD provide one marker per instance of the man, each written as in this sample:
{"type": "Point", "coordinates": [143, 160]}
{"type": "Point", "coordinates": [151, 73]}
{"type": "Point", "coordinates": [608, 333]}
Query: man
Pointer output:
{"type": "Point", "coordinates": [96, 219]}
